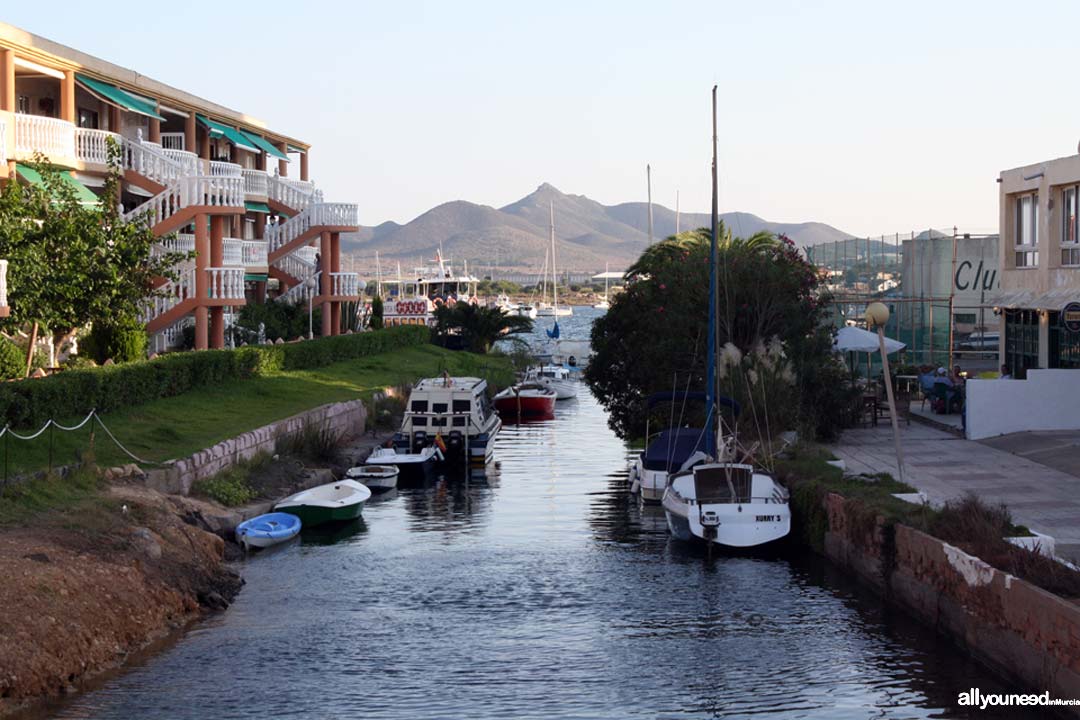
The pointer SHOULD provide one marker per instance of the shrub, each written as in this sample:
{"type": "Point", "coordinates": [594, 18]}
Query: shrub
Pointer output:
{"type": "Point", "coordinates": [230, 488]}
{"type": "Point", "coordinates": [318, 443]}
{"type": "Point", "coordinates": [122, 341]}
{"type": "Point", "coordinates": [12, 360]}
{"type": "Point", "coordinates": [75, 392]}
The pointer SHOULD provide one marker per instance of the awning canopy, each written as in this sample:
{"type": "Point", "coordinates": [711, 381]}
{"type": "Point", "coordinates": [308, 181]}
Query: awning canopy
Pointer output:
{"type": "Point", "coordinates": [255, 277]}
{"type": "Point", "coordinates": [293, 148]}
{"type": "Point", "coordinates": [1010, 299]}
{"type": "Point", "coordinates": [83, 194]}
{"type": "Point", "coordinates": [855, 339]}
{"type": "Point", "coordinates": [115, 96]}
{"type": "Point", "coordinates": [259, 207]}
{"type": "Point", "coordinates": [265, 145]}
{"type": "Point", "coordinates": [218, 130]}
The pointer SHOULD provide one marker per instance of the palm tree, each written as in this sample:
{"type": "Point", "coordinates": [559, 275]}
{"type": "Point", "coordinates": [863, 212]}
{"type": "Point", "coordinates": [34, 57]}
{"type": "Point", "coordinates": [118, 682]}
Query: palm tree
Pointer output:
{"type": "Point", "coordinates": [477, 327]}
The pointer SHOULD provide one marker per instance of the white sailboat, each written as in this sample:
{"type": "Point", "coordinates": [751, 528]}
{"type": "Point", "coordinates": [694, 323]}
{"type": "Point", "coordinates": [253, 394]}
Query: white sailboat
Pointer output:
{"type": "Point", "coordinates": [554, 309]}
{"type": "Point", "coordinates": [604, 304]}
{"type": "Point", "coordinates": [717, 499]}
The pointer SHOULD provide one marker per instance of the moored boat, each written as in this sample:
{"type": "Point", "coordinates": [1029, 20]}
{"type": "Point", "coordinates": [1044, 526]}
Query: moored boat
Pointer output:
{"type": "Point", "coordinates": [337, 501]}
{"type": "Point", "coordinates": [410, 465]}
{"type": "Point", "coordinates": [528, 399]}
{"type": "Point", "coordinates": [453, 414]}
{"type": "Point", "coordinates": [268, 529]}
{"type": "Point", "coordinates": [556, 378]}
{"type": "Point", "coordinates": [376, 477]}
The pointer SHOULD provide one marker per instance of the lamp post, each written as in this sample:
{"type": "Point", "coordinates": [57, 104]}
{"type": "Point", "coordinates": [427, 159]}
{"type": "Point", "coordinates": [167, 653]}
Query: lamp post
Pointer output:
{"type": "Point", "coordinates": [877, 314]}
{"type": "Point", "coordinates": [310, 284]}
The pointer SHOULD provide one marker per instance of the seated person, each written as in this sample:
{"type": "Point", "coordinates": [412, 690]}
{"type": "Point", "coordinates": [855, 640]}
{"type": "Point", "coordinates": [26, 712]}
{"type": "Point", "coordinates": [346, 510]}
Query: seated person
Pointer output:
{"type": "Point", "coordinates": [1005, 374]}
{"type": "Point", "coordinates": [941, 377]}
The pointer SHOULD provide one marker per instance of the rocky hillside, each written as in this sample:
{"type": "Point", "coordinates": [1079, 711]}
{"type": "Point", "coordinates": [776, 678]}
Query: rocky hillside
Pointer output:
{"type": "Point", "coordinates": [590, 234]}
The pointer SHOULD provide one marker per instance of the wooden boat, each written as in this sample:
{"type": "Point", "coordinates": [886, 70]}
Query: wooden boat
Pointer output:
{"type": "Point", "coordinates": [376, 477]}
{"type": "Point", "coordinates": [266, 530]}
{"type": "Point", "coordinates": [342, 500]}
{"type": "Point", "coordinates": [526, 400]}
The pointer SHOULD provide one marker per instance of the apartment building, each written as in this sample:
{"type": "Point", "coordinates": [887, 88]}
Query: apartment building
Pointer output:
{"type": "Point", "coordinates": [206, 177]}
{"type": "Point", "coordinates": [1040, 265]}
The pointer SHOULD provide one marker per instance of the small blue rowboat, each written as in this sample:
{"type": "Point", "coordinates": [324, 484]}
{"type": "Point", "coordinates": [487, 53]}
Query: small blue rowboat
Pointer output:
{"type": "Point", "coordinates": [266, 530]}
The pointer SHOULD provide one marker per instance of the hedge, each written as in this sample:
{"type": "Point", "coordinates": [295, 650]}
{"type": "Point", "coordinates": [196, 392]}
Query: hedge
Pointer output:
{"type": "Point", "coordinates": [29, 403]}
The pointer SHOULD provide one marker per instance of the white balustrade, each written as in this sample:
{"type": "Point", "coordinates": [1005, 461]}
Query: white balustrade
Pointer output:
{"type": "Point", "coordinates": [172, 140]}
{"type": "Point", "coordinates": [92, 146]}
{"type": "Point", "coordinates": [296, 266]}
{"type": "Point", "coordinates": [180, 243]}
{"type": "Point", "coordinates": [226, 283]}
{"type": "Point", "coordinates": [171, 294]}
{"type": "Point", "coordinates": [290, 193]}
{"type": "Point", "coordinates": [150, 161]}
{"type": "Point", "coordinates": [51, 137]}
{"type": "Point", "coordinates": [232, 252]}
{"type": "Point", "coordinates": [256, 182]}
{"type": "Point", "coordinates": [3, 282]}
{"type": "Point", "coordinates": [189, 192]}
{"type": "Point", "coordinates": [3, 141]}
{"type": "Point", "coordinates": [307, 252]}
{"type": "Point", "coordinates": [253, 253]}
{"type": "Point", "coordinates": [225, 169]}
{"type": "Point", "coordinates": [321, 214]}
{"type": "Point", "coordinates": [347, 284]}
{"type": "Point", "coordinates": [302, 291]}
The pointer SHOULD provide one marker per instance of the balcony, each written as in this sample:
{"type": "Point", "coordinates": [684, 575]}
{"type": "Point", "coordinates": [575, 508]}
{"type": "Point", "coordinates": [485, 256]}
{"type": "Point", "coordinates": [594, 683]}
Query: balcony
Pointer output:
{"type": "Point", "coordinates": [92, 146]}
{"type": "Point", "coordinates": [226, 283]}
{"type": "Point", "coordinates": [345, 284]}
{"type": "Point", "coordinates": [3, 141]}
{"type": "Point", "coordinates": [236, 252]}
{"type": "Point", "coordinates": [256, 182]}
{"type": "Point", "coordinates": [53, 138]}
{"type": "Point", "coordinates": [224, 169]}
{"type": "Point", "coordinates": [253, 253]}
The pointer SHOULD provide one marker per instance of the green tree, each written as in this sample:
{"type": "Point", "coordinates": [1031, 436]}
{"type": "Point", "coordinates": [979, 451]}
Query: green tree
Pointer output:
{"type": "Point", "coordinates": [72, 263]}
{"type": "Point", "coordinates": [376, 321]}
{"type": "Point", "coordinates": [656, 330]}
{"type": "Point", "coordinates": [477, 327]}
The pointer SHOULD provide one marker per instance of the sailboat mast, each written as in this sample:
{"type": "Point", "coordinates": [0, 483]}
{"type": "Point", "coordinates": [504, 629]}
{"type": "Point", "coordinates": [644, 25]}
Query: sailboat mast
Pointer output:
{"type": "Point", "coordinates": [648, 183]}
{"type": "Point", "coordinates": [712, 389]}
{"type": "Point", "coordinates": [554, 280]}
{"type": "Point", "coordinates": [378, 275]}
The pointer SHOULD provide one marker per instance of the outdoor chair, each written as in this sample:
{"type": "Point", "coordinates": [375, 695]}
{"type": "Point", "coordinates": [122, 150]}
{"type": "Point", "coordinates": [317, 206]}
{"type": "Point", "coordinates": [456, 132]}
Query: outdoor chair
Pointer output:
{"type": "Point", "coordinates": [926, 387]}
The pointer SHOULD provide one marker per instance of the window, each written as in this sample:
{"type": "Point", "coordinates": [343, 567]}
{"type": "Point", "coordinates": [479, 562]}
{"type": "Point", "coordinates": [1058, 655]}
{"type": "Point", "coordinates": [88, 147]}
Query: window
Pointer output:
{"type": "Point", "coordinates": [964, 318]}
{"type": "Point", "coordinates": [1021, 341]}
{"type": "Point", "coordinates": [459, 421]}
{"type": "Point", "coordinates": [438, 422]}
{"type": "Point", "coordinates": [1027, 224]}
{"type": "Point", "coordinates": [462, 406]}
{"type": "Point", "coordinates": [419, 406]}
{"type": "Point", "coordinates": [88, 119]}
{"type": "Point", "coordinates": [419, 422]}
{"type": "Point", "coordinates": [438, 407]}
{"type": "Point", "coordinates": [1064, 345]}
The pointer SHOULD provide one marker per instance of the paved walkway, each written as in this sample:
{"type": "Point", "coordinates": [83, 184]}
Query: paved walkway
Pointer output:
{"type": "Point", "coordinates": [944, 466]}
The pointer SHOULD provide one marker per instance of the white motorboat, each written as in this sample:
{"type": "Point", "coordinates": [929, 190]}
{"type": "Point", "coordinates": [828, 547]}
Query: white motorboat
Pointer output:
{"type": "Point", "coordinates": [453, 414]}
{"type": "Point", "coordinates": [549, 310]}
{"type": "Point", "coordinates": [409, 465]}
{"type": "Point", "coordinates": [525, 310]}
{"type": "Point", "coordinates": [728, 504]}
{"type": "Point", "coordinates": [376, 477]}
{"type": "Point", "coordinates": [557, 378]}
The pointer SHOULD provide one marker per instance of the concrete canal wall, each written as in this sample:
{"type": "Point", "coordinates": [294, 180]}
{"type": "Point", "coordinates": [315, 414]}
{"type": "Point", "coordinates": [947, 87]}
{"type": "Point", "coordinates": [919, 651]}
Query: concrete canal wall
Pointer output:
{"type": "Point", "coordinates": [1013, 627]}
{"type": "Point", "coordinates": [345, 419]}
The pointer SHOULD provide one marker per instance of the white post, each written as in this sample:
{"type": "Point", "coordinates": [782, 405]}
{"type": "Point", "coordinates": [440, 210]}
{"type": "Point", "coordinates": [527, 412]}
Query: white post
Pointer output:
{"type": "Point", "coordinates": [892, 402]}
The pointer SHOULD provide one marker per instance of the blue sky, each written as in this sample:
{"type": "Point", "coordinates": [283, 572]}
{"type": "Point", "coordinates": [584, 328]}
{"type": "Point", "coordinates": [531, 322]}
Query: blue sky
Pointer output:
{"type": "Point", "coordinates": [873, 119]}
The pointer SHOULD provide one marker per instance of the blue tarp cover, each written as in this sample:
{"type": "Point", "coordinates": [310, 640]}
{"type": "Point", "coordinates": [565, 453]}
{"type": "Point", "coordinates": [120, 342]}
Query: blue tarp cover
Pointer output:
{"type": "Point", "coordinates": [672, 448]}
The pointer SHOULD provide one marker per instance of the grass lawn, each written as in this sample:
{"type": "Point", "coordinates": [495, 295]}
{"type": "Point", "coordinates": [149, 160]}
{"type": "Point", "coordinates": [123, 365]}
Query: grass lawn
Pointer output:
{"type": "Point", "coordinates": [176, 427]}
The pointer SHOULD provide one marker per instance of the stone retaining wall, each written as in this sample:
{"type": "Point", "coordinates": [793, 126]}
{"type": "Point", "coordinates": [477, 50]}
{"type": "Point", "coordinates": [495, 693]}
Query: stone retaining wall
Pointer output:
{"type": "Point", "coordinates": [346, 418]}
{"type": "Point", "coordinates": [1013, 627]}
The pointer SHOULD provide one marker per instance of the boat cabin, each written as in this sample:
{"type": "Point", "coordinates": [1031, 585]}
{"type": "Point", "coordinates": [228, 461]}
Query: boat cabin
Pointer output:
{"type": "Point", "coordinates": [453, 409]}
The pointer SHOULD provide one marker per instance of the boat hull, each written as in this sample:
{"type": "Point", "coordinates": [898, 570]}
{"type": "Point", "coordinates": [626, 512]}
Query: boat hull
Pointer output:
{"type": "Point", "coordinates": [313, 515]}
{"type": "Point", "coordinates": [564, 389]}
{"type": "Point", "coordinates": [757, 522]}
{"type": "Point", "coordinates": [333, 502]}
{"type": "Point", "coordinates": [525, 405]}
{"type": "Point", "coordinates": [375, 480]}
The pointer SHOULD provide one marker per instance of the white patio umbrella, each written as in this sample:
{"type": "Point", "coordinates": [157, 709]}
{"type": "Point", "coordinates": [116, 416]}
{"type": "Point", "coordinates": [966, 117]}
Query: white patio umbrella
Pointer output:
{"type": "Point", "coordinates": [855, 339]}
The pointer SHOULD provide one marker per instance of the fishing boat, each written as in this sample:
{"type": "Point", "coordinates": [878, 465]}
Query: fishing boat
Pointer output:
{"type": "Point", "coordinates": [528, 399]}
{"type": "Point", "coordinates": [410, 465]}
{"type": "Point", "coordinates": [268, 529]}
{"type": "Point", "coordinates": [717, 497]}
{"type": "Point", "coordinates": [453, 414]}
{"type": "Point", "coordinates": [337, 501]}
{"type": "Point", "coordinates": [556, 378]}
{"type": "Point", "coordinates": [377, 477]}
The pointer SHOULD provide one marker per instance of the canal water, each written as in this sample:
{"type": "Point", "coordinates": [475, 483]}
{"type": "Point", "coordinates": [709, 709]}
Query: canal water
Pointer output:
{"type": "Point", "coordinates": [542, 590]}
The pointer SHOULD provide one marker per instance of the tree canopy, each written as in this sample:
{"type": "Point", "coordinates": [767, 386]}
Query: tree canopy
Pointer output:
{"type": "Point", "coordinates": [654, 337]}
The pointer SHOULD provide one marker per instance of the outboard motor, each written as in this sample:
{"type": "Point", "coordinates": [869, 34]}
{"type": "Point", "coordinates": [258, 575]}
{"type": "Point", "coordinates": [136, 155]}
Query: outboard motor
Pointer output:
{"type": "Point", "coordinates": [709, 522]}
{"type": "Point", "coordinates": [455, 442]}
{"type": "Point", "coordinates": [420, 440]}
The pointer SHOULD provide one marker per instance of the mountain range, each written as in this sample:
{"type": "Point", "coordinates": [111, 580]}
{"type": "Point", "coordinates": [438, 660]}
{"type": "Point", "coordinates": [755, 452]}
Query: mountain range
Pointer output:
{"type": "Point", "coordinates": [590, 235]}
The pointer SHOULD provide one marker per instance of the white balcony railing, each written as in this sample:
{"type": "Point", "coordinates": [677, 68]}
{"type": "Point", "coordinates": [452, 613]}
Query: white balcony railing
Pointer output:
{"type": "Point", "coordinates": [3, 283]}
{"type": "Point", "coordinates": [188, 192]}
{"type": "Point", "coordinates": [92, 146]}
{"type": "Point", "coordinates": [302, 291]}
{"type": "Point", "coordinates": [290, 193]}
{"type": "Point", "coordinates": [188, 161]}
{"type": "Point", "coordinates": [151, 162]}
{"type": "Point", "coordinates": [321, 214]}
{"type": "Point", "coordinates": [3, 141]}
{"type": "Point", "coordinates": [256, 182]}
{"type": "Point", "coordinates": [171, 294]}
{"type": "Point", "coordinates": [253, 253]}
{"type": "Point", "coordinates": [347, 284]}
{"type": "Point", "coordinates": [292, 264]}
{"type": "Point", "coordinates": [172, 140]}
{"type": "Point", "coordinates": [51, 137]}
{"type": "Point", "coordinates": [224, 169]}
{"type": "Point", "coordinates": [306, 253]}
{"type": "Point", "coordinates": [180, 243]}
{"type": "Point", "coordinates": [232, 252]}
{"type": "Point", "coordinates": [226, 283]}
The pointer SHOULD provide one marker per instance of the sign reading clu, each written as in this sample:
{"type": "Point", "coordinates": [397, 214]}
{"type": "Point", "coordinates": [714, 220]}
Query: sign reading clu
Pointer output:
{"type": "Point", "coordinates": [982, 279]}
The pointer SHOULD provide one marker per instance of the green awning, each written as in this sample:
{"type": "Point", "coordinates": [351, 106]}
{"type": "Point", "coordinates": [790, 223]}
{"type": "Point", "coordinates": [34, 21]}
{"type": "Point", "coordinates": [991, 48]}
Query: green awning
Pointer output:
{"type": "Point", "coordinates": [83, 194]}
{"type": "Point", "coordinates": [115, 96]}
{"type": "Point", "coordinates": [231, 134]}
{"type": "Point", "coordinates": [266, 145]}
{"type": "Point", "coordinates": [258, 207]}
{"type": "Point", "coordinates": [255, 277]}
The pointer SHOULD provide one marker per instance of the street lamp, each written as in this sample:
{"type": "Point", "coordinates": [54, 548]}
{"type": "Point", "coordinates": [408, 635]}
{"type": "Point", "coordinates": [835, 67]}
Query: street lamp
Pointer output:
{"type": "Point", "coordinates": [310, 284]}
{"type": "Point", "coordinates": [877, 315]}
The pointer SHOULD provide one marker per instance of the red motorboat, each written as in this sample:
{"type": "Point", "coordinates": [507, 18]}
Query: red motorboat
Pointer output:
{"type": "Point", "coordinates": [526, 400]}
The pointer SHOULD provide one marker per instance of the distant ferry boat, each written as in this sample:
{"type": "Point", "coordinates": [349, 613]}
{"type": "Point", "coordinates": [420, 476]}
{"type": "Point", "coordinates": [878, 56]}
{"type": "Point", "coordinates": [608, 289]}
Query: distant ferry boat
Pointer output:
{"type": "Point", "coordinates": [413, 301]}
